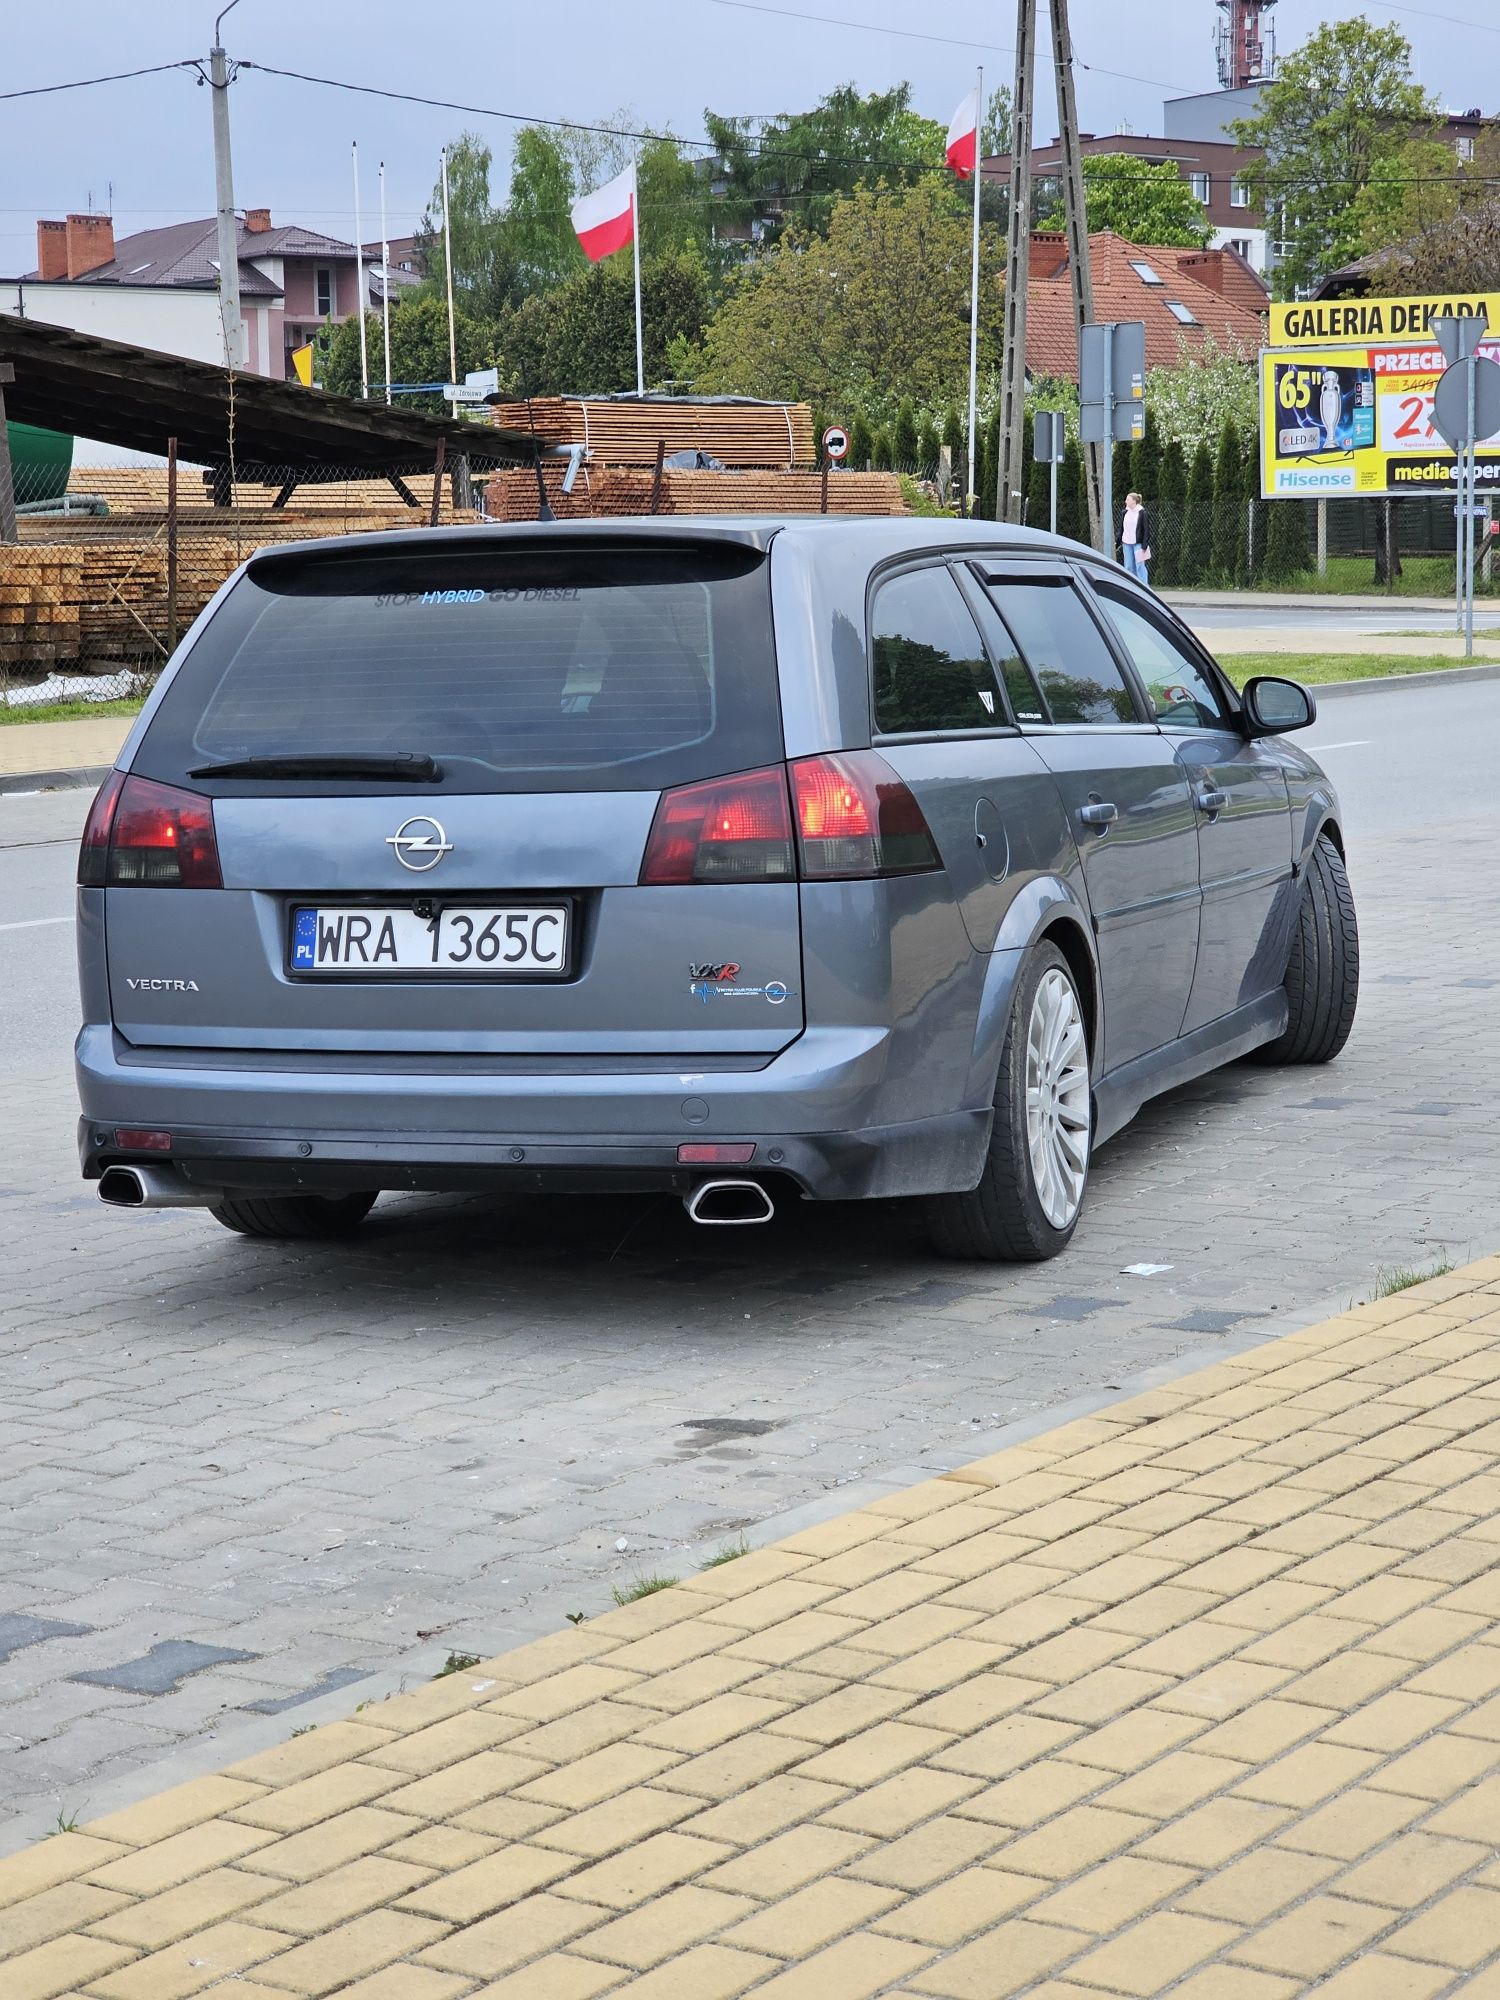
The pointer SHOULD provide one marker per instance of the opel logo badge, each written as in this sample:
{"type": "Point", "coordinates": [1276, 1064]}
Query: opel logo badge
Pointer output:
{"type": "Point", "coordinates": [419, 843]}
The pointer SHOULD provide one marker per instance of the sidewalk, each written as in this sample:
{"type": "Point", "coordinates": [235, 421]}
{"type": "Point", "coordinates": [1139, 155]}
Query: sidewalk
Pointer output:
{"type": "Point", "coordinates": [1198, 1696]}
{"type": "Point", "coordinates": [49, 749]}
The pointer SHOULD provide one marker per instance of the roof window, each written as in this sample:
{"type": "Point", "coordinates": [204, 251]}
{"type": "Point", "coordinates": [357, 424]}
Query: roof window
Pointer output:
{"type": "Point", "coordinates": [1182, 314]}
{"type": "Point", "coordinates": [1144, 272]}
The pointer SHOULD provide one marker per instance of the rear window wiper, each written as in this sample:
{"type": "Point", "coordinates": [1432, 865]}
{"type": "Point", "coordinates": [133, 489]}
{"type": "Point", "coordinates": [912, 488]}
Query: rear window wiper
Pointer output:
{"type": "Point", "coordinates": [419, 769]}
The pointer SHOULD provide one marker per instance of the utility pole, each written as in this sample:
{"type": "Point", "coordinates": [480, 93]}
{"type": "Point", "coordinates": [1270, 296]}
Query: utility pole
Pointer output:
{"type": "Point", "coordinates": [229, 232]}
{"type": "Point", "coordinates": [448, 274]}
{"type": "Point", "coordinates": [1008, 497]}
{"type": "Point", "coordinates": [1101, 530]}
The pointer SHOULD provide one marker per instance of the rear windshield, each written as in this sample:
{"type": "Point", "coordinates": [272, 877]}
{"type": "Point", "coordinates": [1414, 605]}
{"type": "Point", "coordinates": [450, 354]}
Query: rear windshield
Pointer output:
{"type": "Point", "coordinates": [517, 669]}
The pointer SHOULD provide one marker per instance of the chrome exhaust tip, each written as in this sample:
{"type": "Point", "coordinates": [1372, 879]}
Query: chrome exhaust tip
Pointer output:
{"type": "Point", "coordinates": [729, 1204]}
{"type": "Point", "coordinates": [148, 1187]}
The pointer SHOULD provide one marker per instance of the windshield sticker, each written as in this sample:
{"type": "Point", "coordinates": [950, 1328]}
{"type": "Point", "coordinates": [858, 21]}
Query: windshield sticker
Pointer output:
{"type": "Point", "coordinates": [389, 600]}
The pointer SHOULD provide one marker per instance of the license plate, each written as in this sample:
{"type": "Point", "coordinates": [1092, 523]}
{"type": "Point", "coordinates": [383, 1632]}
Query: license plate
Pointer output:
{"type": "Point", "coordinates": [517, 940]}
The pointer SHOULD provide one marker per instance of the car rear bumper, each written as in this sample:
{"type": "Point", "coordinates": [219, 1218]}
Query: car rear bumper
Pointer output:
{"type": "Point", "coordinates": [817, 1115]}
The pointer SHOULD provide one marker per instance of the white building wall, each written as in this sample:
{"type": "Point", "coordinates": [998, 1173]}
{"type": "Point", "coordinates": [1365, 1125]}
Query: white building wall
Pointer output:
{"type": "Point", "coordinates": [156, 316]}
{"type": "Point", "coordinates": [1251, 242]}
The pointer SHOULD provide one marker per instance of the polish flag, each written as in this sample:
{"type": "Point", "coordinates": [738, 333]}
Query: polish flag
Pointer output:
{"type": "Point", "coordinates": [605, 219]}
{"type": "Point", "coordinates": [963, 136]}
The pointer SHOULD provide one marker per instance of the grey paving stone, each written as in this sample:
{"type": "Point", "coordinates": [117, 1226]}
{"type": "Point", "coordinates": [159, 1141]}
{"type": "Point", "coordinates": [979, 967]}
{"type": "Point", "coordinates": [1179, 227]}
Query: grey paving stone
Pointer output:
{"type": "Point", "coordinates": [160, 1670]}
{"type": "Point", "coordinates": [18, 1630]}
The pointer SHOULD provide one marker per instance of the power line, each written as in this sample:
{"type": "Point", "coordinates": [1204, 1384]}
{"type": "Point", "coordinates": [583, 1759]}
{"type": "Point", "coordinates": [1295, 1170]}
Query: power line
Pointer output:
{"type": "Point", "coordinates": [87, 82]}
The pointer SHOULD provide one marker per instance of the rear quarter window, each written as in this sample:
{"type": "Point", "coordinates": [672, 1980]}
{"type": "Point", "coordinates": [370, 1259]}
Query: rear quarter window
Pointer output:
{"type": "Point", "coordinates": [516, 668]}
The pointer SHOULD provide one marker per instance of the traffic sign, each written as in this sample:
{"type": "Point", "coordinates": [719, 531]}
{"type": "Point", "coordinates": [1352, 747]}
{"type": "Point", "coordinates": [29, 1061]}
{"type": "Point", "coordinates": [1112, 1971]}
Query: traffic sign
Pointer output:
{"type": "Point", "coordinates": [1048, 437]}
{"type": "Point", "coordinates": [1459, 334]}
{"type": "Point", "coordinates": [1450, 404]}
{"type": "Point", "coordinates": [836, 443]}
{"type": "Point", "coordinates": [462, 392]}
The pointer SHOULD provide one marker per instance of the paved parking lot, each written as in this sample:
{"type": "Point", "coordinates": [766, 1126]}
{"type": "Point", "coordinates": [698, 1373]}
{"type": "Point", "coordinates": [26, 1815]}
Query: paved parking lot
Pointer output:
{"type": "Point", "coordinates": [236, 1476]}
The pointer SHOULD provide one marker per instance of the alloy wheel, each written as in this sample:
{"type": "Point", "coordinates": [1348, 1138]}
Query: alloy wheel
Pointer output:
{"type": "Point", "coordinates": [1057, 1098]}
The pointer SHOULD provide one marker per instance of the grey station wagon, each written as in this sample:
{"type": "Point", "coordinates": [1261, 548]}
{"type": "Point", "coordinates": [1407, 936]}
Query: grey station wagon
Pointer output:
{"type": "Point", "coordinates": [837, 858]}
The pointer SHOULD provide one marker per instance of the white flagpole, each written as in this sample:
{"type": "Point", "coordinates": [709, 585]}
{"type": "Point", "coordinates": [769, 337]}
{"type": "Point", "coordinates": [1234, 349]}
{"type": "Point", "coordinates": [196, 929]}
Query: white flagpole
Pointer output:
{"type": "Point", "coordinates": [974, 281]}
{"type": "Point", "coordinates": [448, 269]}
{"type": "Point", "coordinates": [635, 244]}
{"type": "Point", "coordinates": [385, 283]}
{"type": "Point", "coordinates": [359, 280]}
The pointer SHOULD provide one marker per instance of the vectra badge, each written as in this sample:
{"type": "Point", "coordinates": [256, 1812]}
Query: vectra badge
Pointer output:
{"type": "Point", "coordinates": [419, 843]}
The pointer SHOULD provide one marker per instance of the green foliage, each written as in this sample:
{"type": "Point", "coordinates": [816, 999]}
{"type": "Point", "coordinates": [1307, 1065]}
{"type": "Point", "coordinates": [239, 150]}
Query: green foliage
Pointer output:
{"type": "Point", "coordinates": [987, 470]}
{"type": "Point", "coordinates": [1452, 256]}
{"type": "Point", "coordinates": [1072, 494]}
{"type": "Point", "coordinates": [881, 455]}
{"type": "Point", "coordinates": [995, 131]}
{"type": "Point", "coordinates": [1228, 507]}
{"type": "Point", "coordinates": [920, 501]}
{"type": "Point", "coordinates": [1286, 541]}
{"type": "Point", "coordinates": [730, 1552]}
{"type": "Point", "coordinates": [1039, 494]}
{"type": "Point", "coordinates": [483, 271]}
{"type": "Point", "coordinates": [807, 159]}
{"type": "Point", "coordinates": [456, 1663]}
{"type": "Point", "coordinates": [1143, 202]}
{"type": "Point", "coordinates": [1201, 393]}
{"type": "Point", "coordinates": [419, 349]}
{"type": "Point", "coordinates": [904, 435]}
{"type": "Point", "coordinates": [538, 228]}
{"type": "Point", "coordinates": [1342, 107]}
{"type": "Point", "coordinates": [929, 445]}
{"type": "Point", "coordinates": [861, 444]}
{"type": "Point", "coordinates": [1120, 479]}
{"type": "Point", "coordinates": [1145, 465]}
{"type": "Point", "coordinates": [1408, 192]}
{"type": "Point", "coordinates": [644, 1586]}
{"type": "Point", "coordinates": [1171, 503]}
{"type": "Point", "coordinates": [1196, 554]}
{"type": "Point", "coordinates": [875, 309]}
{"type": "Point", "coordinates": [579, 339]}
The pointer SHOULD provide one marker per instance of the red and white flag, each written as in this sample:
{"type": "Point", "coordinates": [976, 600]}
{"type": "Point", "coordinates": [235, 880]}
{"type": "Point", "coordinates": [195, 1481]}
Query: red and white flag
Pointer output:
{"type": "Point", "coordinates": [963, 136]}
{"type": "Point", "coordinates": [605, 219]}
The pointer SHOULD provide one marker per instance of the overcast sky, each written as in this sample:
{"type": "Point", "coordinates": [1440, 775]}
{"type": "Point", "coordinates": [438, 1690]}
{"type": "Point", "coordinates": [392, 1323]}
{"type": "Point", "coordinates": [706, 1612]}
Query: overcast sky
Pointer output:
{"type": "Point", "coordinates": [143, 148]}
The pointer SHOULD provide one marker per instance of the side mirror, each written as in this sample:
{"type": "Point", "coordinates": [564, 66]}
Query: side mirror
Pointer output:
{"type": "Point", "coordinates": [1273, 706]}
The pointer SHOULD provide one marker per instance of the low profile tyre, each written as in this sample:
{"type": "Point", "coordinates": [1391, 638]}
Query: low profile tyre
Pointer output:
{"type": "Point", "coordinates": [1322, 974]}
{"type": "Point", "coordinates": [1030, 1195]}
{"type": "Point", "coordinates": [294, 1217]}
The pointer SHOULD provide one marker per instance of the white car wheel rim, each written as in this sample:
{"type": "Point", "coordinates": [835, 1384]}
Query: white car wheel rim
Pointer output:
{"type": "Point", "coordinates": [1057, 1098]}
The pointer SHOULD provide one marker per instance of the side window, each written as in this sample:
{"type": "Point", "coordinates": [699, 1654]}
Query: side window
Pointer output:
{"type": "Point", "coordinates": [929, 665]}
{"type": "Point", "coordinates": [1182, 695]}
{"type": "Point", "coordinates": [1021, 690]}
{"type": "Point", "coordinates": [1065, 650]}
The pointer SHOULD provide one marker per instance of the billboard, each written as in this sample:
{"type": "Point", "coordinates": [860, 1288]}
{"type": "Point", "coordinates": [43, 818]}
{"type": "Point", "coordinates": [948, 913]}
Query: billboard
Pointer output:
{"type": "Point", "coordinates": [1346, 390]}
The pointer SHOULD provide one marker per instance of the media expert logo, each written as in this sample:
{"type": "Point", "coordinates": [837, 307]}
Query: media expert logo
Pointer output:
{"type": "Point", "coordinates": [1440, 472]}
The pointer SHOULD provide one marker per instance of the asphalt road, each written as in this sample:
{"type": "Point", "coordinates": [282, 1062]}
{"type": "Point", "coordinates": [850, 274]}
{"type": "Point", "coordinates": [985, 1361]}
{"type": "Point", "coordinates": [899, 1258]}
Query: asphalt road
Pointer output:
{"type": "Point", "coordinates": [1255, 614]}
{"type": "Point", "coordinates": [479, 1415]}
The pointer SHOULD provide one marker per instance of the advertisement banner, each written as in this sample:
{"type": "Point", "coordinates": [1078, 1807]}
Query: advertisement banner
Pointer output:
{"type": "Point", "coordinates": [1356, 418]}
{"type": "Point", "coordinates": [1379, 322]}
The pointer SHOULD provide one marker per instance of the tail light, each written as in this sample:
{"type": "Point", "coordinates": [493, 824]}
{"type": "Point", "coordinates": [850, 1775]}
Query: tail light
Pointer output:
{"type": "Point", "coordinates": [855, 817]}
{"type": "Point", "coordinates": [736, 829]}
{"type": "Point", "coordinates": [143, 834]}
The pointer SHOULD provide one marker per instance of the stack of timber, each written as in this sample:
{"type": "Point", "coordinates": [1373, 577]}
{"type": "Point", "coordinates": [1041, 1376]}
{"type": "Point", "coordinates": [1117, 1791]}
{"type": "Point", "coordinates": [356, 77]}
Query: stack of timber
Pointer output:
{"type": "Point", "coordinates": [40, 603]}
{"type": "Point", "coordinates": [612, 492]}
{"type": "Point", "coordinates": [747, 436]}
{"type": "Point", "coordinates": [140, 491]}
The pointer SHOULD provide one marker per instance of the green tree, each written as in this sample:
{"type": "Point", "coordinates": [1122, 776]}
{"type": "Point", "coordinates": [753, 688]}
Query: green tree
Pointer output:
{"type": "Point", "coordinates": [987, 470]}
{"type": "Point", "coordinates": [861, 444]}
{"type": "Point", "coordinates": [880, 454]}
{"type": "Point", "coordinates": [1411, 190]}
{"type": "Point", "coordinates": [1145, 465]}
{"type": "Point", "coordinates": [1195, 557]}
{"type": "Point", "coordinates": [1199, 394]}
{"type": "Point", "coordinates": [1461, 254]}
{"type": "Point", "coordinates": [579, 338]}
{"type": "Point", "coordinates": [1171, 505]}
{"type": "Point", "coordinates": [539, 234]}
{"type": "Point", "coordinates": [929, 444]}
{"type": "Point", "coordinates": [1143, 202]}
{"type": "Point", "coordinates": [419, 349]}
{"type": "Point", "coordinates": [956, 439]}
{"type": "Point", "coordinates": [1286, 541]}
{"type": "Point", "coordinates": [1120, 480]}
{"type": "Point", "coordinates": [1341, 106]}
{"type": "Point", "coordinates": [876, 309]}
{"type": "Point", "coordinates": [904, 436]}
{"type": "Point", "coordinates": [1228, 507]}
{"type": "Point", "coordinates": [800, 162]}
{"type": "Point", "coordinates": [1039, 494]}
{"type": "Point", "coordinates": [995, 132]}
{"type": "Point", "coordinates": [483, 274]}
{"type": "Point", "coordinates": [1072, 495]}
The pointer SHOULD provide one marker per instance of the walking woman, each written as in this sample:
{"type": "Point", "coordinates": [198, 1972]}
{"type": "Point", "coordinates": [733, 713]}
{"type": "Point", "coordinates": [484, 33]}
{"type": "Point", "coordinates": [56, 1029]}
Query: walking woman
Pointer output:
{"type": "Point", "coordinates": [1135, 538]}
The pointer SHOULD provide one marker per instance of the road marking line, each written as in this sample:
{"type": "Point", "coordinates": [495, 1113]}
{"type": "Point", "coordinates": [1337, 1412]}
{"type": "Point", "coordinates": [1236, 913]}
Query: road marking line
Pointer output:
{"type": "Point", "coordinates": [1359, 743]}
{"type": "Point", "coordinates": [34, 923]}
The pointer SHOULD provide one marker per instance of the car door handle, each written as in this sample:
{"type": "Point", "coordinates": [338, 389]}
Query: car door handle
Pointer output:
{"type": "Point", "coordinates": [1210, 800]}
{"type": "Point", "coordinates": [1100, 813]}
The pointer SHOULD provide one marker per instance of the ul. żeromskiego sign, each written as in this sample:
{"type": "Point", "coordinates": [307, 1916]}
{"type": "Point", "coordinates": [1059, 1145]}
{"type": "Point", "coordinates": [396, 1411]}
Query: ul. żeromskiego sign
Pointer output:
{"type": "Point", "coordinates": [1346, 390]}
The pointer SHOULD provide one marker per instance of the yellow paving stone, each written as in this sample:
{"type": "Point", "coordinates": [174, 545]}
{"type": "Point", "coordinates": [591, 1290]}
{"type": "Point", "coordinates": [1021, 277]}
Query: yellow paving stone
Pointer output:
{"type": "Point", "coordinates": [1309, 1775]}
{"type": "Point", "coordinates": [525, 1931]}
{"type": "Point", "coordinates": [674, 1646]}
{"type": "Point", "coordinates": [707, 1972]}
{"type": "Point", "coordinates": [298, 1857]}
{"type": "Point", "coordinates": [1439, 1769]}
{"type": "Point", "coordinates": [313, 1799]}
{"type": "Point", "coordinates": [1225, 1689]}
{"type": "Point", "coordinates": [67, 1906]}
{"type": "Point", "coordinates": [1224, 1982]}
{"type": "Point", "coordinates": [1113, 1894]}
{"type": "Point", "coordinates": [918, 1859]}
{"type": "Point", "coordinates": [923, 1625]}
{"type": "Point", "coordinates": [1098, 1696]}
{"type": "Point", "coordinates": [341, 1955]}
{"type": "Point", "coordinates": [890, 1808]}
{"type": "Point", "coordinates": [699, 1680]}
{"type": "Point", "coordinates": [444, 1742]}
{"type": "Point", "coordinates": [1173, 1785]}
{"type": "Point", "coordinates": [857, 1966]}
{"type": "Point", "coordinates": [1005, 1960]}
{"type": "Point", "coordinates": [59, 1859]}
{"type": "Point", "coordinates": [1056, 1518]}
{"type": "Point", "coordinates": [782, 1865]}
{"type": "Point", "coordinates": [1002, 1588]}
{"type": "Point", "coordinates": [1462, 1929]}
{"type": "Point", "coordinates": [1393, 1720]}
{"type": "Point", "coordinates": [749, 1572]}
{"type": "Point", "coordinates": [963, 1712]}
{"type": "Point", "coordinates": [488, 1884]}
{"type": "Point", "coordinates": [188, 1967]}
{"type": "Point", "coordinates": [1314, 1938]}
{"type": "Point", "coordinates": [779, 1645]}
{"type": "Point", "coordinates": [874, 1754]}
{"type": "Point", "coordinates": [771, 1604]}
{"type": "Point", "coordinates": [169, 1812]}
{"type": "Point", "coordinates": [1234, 1570]}
{"type": "Point", "coordinates": [1483, 1719]}
{"type": "Point", "coordinates": [1185, 1651]}
{"type": "Point", "coordinates": [506, 1818]}
{"type": "Point", "coordinates": [802, 1924]}
{"type": "Point", "coordinates": [345, 1892]}
{"type": "Point", "coordinates": [939, 1666]}
{"type": "Point", "coordinates": [884, 1596]}
{"type": "Point", "coordinates": [559, 1976]}
{"type": "Point", "coordinates": [661, 1608]}
{"type": "Point", "coordinates": [1469, 1674]}
{"type": "Point", "coordinates": [707, 1723]}
{"type": "Point", "coordinates": [859, 1564]}
{"type": "Point", "coordinates": [833, 1717]}
{"type": "Point", "coordinates": [441, 1847]}
{"type": "Point", "coordinates": [50, 1969]}
{"type": "Point", "coordinates": [1070, 1655]}
{"type": "Point", "coordinates": [833, 1538]}
{"type": "Point", "coordinates": [301, 1756]}
{"type": "Point", "coordinates": [1214, 1833]}
{"type": "Point", "coordinates": [1131, 1740]}
{"type": "Point", "coordinates": [450, 1695]}
{"type": "Point", "coordinates": [627, 1817]}
{"type": "Point", "coordinates": [1153, 1953]}
{"type": "Point", "coordinates": [402, 1982]}
{"type": "Point", "coordinates": [974, 1556]}
{"type": "Point", "coordinates": [1307, 1642]}
{"type": "Point", "coordinates": [575, 1735]}
{"type": "Point", "coordinates": [1348, 1682]}
{"type": "Point", "coordinates": [145, 1871]}
{"type": "Point", "coordinates": [1259, 1884]}
{"type": "Point", "coordinates": [1375, 1976]}
{"type": "Point", "coordinates": [930, 1497]}
{"type": "Point", "coordinates": [647, 1869]}
{"type": "Point", "coordinates": [1075, 1840]}
{"type": "Point", "coordinates": [767, 1808]}
{"type": "Point", "coordinates": [1032, 1795]}
{"type": "Point", "coordinates": [950, 1529]}
{"type": "Point", "coordinates": [1423, 1634]}
{"type": "Point", "coordinates": [1162, 1608]}
{"type": "Point", "coordinates": [1260, 1731]}
{"type": "Point", "coordinates": [972, 1901]}
{"type": "Point", "coordinates": [599, 1775]}
{"type": "Point", "coordinates": [191, 1906]}
{"type": "Point", "coordinates": [456, 1787]}
{"type": "Point", "coordinates": [1411, 1870]}
{"type": "Point", "coordinates": [821, 1672]}
{"type": "Point", "coordinates": [1352, 1824]}
{"type": "Point", "coordinates": [744, 1760]}
{"type": "Point", "coordinates": [670, 1925]}
{"type": "Point", "coordinates": [1272, 1605]}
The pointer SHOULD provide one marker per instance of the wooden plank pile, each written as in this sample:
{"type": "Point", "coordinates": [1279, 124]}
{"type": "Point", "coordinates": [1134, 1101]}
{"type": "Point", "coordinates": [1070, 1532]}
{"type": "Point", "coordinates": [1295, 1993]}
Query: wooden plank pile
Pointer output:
{"type": "Point", "coordinates": [40, 602]}
{"type": "Point", "coordinates": [614, 492]}
{"type": "Point", "coordinates": [135, 490]}
{"type": "Point", "coordinates": [746, 436]}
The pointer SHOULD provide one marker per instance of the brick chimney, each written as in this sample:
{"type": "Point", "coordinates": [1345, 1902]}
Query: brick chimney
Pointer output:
{"type": "Point", "coordinates": [257, 221]}
{"type": "Point", "coordinates": [51, 250]}
{"type": "Point", "coordinates": [91, 243]}
{"type": "Point", "coordinates": [1207, 266]}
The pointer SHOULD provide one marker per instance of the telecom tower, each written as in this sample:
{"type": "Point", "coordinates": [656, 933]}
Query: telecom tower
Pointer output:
{"type": "Point", "coordinates": [1245, 54]}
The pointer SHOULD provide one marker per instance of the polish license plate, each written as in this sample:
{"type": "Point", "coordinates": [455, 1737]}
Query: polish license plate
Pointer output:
{"type": "Point", "coordinates": [515, 940]}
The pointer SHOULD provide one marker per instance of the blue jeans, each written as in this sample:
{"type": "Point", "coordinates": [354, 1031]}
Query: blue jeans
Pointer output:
{"type": "Point", "coordinates": [1135, 562]}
